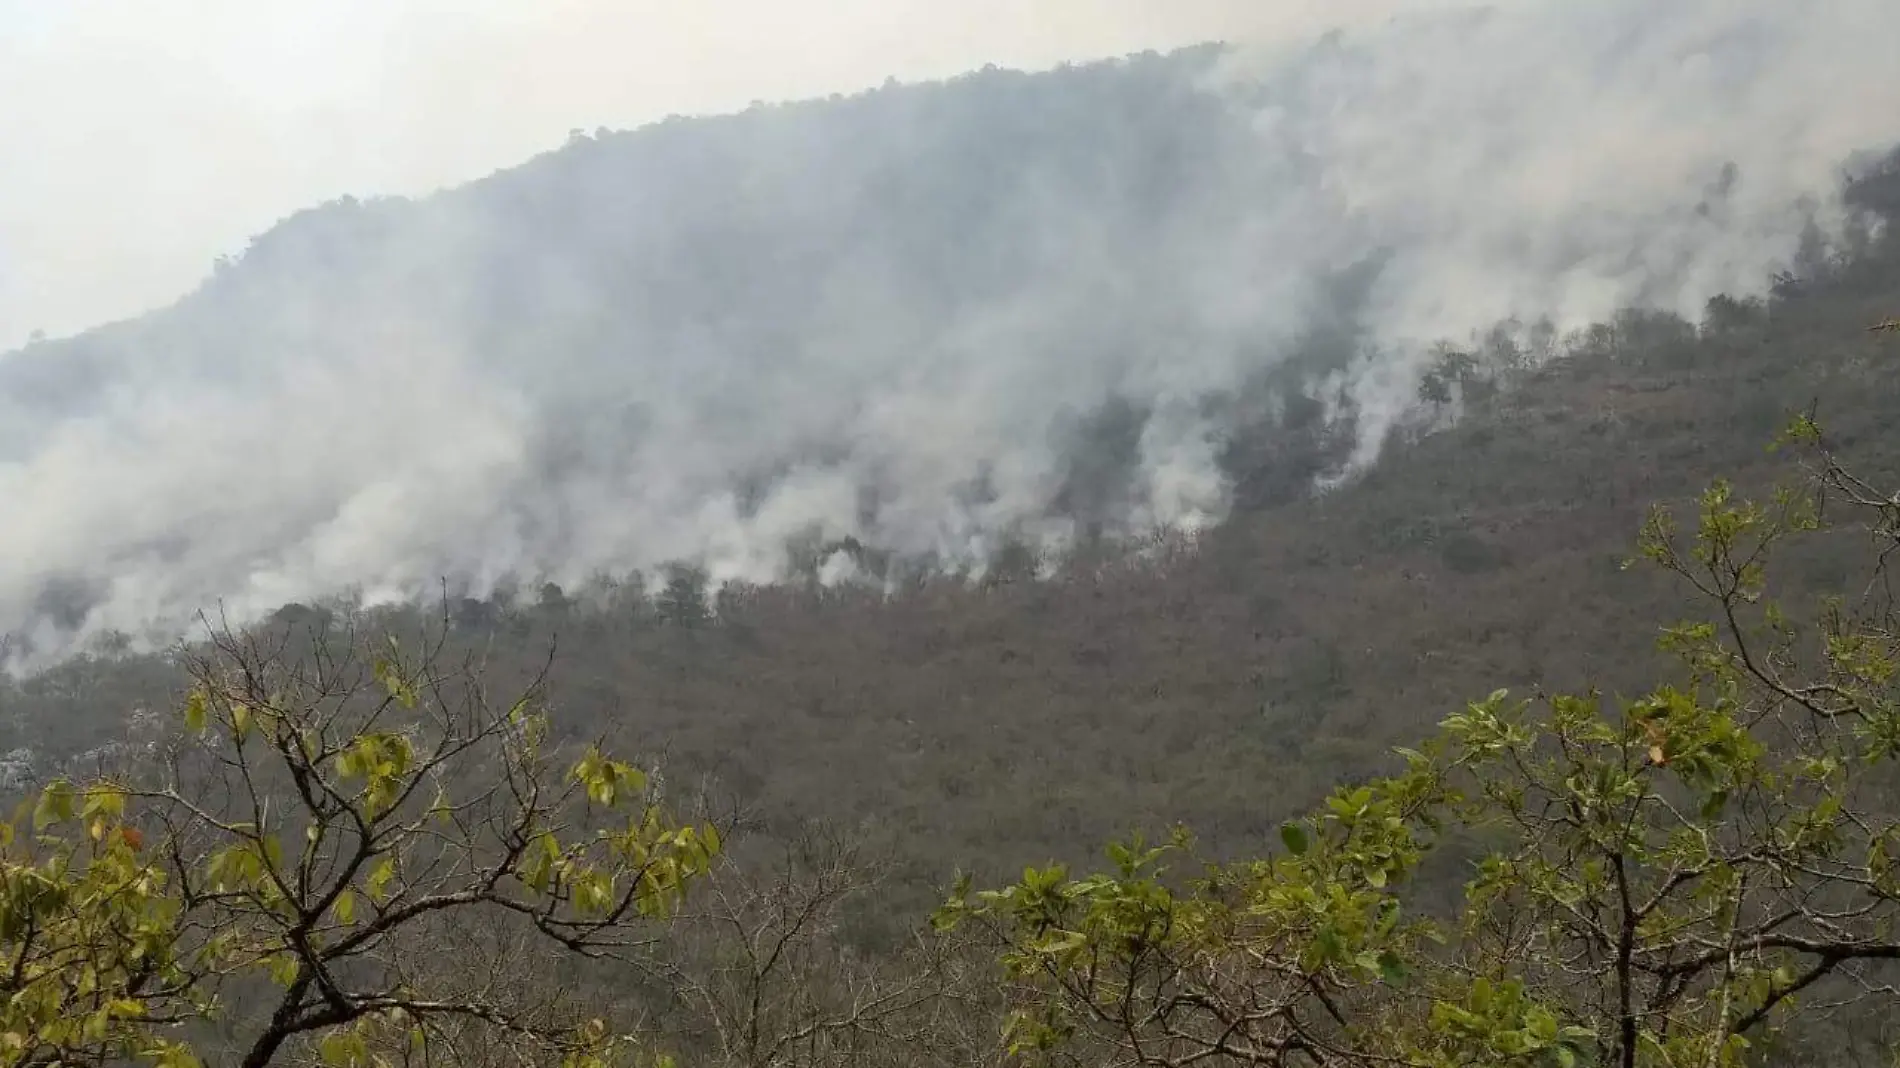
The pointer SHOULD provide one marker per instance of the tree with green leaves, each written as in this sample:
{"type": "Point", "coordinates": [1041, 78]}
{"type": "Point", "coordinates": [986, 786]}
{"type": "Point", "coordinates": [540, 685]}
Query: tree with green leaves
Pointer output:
{"type": "Point", "coordinates": [89, 935]}
{"type": "Point", "coordinates": [1674, 880]}
{"type": "Point", "coordinates": [682, 601]}
{"type": "Point", "coordinates": [316, 848]}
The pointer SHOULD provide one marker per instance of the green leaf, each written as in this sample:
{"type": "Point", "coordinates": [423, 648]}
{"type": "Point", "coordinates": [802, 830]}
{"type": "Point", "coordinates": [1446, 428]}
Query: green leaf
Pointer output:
{"type": "Point", "coordinates": [195, 712]}
{"type": "Point", "coordinates": [1542, 1025]}
{"type": "Point", "coordinates": [55, 804]}
{"type": "Point", "coordinates": [171, 1055]}
{"type": "Point", "coordinates": [284, 969]}
{"type": "Point", "coordinates": [345, 908]}
{"type": "Point", "coordinates": [1391, 967]}
{"type": "Point", "coordinates": [1060, 941]}
{"type": "Point", "coordinates": [379, 877]}
{"type": "Point", "coordinates": [1329, 946]}
{"type": "Point", "coordinates": [343, 1048]}
{"type": "Point", "coordinates": [103, 799]}
{"type": "Point", "coordinates": [1295, 838]}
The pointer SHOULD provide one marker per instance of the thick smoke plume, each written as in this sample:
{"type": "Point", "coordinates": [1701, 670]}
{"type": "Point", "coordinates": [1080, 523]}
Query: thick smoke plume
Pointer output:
{"type": "Point", "coordinates": [928, 318]}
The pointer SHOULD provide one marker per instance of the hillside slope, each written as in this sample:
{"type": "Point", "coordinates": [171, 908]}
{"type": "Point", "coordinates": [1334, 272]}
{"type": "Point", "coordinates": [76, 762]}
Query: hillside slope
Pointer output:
{"type": "Point", "coordinates": [1007, 312]}
{"type": "Point", "coordinates": [1225, 683]}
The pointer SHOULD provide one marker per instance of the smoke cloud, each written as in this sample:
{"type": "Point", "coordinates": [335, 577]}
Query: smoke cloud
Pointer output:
{"type": "Point", "coordinates": [927, 318]}
{"type": "Point", "coordinates": [139, 142]}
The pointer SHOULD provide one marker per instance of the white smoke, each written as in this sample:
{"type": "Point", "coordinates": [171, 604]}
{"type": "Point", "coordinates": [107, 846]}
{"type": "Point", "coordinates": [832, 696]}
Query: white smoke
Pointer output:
{"type": "Point", "coordinates": [1551, 159]}
{"type": "Point", "coordinates": [1568, 160]}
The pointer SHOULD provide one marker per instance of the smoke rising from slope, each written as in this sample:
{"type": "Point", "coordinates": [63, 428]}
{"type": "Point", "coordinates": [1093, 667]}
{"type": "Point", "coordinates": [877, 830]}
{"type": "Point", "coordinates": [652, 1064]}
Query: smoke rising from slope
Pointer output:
{"type": "Point", "coordinates": [915, 317]}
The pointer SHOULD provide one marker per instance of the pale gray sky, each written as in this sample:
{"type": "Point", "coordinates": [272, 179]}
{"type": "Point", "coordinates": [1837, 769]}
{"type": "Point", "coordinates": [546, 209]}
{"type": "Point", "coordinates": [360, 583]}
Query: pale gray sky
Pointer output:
{"type": "Point", "coordinates": [138, 141]}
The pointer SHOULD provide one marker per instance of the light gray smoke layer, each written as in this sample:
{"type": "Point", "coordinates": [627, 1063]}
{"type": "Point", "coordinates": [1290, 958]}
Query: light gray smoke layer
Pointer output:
{"type": "Point", "coordinates": [886, 316]}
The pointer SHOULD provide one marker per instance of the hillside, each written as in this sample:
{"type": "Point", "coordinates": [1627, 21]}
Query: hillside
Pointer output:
{"type": "Point", "coordinates": [948, 479]}
{"type": "Point", "coordinates": [649, 345]}
{"type": "Point", "coordinates": [1225, 681]}
{"type": "Point", "coordinates": [855, 452]}
{"type": "Point", "coordinates": [1011, 312]}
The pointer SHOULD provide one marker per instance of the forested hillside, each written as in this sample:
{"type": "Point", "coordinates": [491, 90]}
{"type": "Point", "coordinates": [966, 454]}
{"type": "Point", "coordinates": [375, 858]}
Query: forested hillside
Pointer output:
{"type": "Point", "coordinates": [955, 479]}
{"type": "Point", "coordinates": [853, 747]}
{"type": "Point", "coordinates": [1030, 310]}
{"type": "Point", "coordinates": [1223, 680]}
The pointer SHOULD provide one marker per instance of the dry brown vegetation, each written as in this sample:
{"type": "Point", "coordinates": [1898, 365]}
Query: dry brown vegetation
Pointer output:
{"type": "Point", "coordinates": [1225, 684]}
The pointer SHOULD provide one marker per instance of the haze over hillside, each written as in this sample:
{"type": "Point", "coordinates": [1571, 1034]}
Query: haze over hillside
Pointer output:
{"type": "Point", "coordinates": [935, 319]}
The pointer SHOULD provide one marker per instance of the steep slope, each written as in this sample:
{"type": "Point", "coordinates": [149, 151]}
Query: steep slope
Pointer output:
{"type": "Point", "coordinates": [1225, 683]}
{"type": "Point", "coordinates": [941, 321]}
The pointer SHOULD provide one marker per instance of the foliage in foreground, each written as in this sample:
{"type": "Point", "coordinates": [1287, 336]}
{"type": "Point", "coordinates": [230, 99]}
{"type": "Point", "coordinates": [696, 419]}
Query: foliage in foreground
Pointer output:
{"type": "Point", "coordinates": [320, 846]}
{"type": "Point", "coordinates": [1679, 879]}
{"type": "Point", "coordinates": [1670, 880]}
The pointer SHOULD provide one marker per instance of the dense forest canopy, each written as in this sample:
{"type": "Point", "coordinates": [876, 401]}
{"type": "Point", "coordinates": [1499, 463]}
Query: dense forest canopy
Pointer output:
{"type": "Point", "coordinates": [1305, 635]}
{"type": "Point", "coordinates": [1073, 645]}
{"type": "Point", "coordinates": [347, 840]}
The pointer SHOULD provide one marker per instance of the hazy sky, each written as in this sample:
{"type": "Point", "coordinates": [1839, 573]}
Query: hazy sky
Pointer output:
{"type": "Point", "coordinates": [138, 141]}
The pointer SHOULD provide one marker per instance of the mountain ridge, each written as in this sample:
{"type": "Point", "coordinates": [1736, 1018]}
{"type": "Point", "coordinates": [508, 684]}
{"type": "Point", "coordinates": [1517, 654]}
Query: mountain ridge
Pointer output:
{"type": "Point", "coordinates": [947, 322]}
